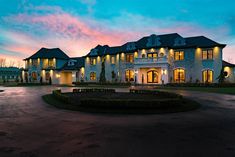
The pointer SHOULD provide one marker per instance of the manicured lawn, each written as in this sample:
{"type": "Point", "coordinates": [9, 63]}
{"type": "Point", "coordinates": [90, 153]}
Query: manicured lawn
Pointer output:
{"type": "Point", "coordinates": [222, 90]}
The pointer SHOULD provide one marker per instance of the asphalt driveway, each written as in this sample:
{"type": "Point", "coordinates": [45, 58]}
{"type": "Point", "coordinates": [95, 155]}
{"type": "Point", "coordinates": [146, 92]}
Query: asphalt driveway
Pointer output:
{"type": "Point", "coordinates": [31, 128]}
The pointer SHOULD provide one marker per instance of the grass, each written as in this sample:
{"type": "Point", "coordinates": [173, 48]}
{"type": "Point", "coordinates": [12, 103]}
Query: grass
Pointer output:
{"type": "Point", "coordinates": [24, 84]}
{"type": "Point", "coordinates": [221, 90]}
{"type": "Point", "coordinates": [188, 105]}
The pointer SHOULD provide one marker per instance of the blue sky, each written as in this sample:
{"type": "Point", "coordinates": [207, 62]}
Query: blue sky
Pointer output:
{"type": "Point", "coordinates": [76, 26]}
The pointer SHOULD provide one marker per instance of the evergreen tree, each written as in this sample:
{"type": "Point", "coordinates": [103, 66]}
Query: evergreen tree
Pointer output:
{"type": "Point", "coordinates": [221, 77]}
{"type": "Point", "coordinates": [102, 73]}
{"type": "Point", "coordinates": [50, 81]}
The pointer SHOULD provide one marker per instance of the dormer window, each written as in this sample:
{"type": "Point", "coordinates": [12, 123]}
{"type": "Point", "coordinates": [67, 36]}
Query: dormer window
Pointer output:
{"type": "Point", "coordinates": [70, 63]}
{"type": "Point", "coordinates": [179, 41]}
{"type": "Point", "coordinates": [153, 40]}
{"type": "Point", "coordinates": [130, 46]}
{"type": "Point", "coordinates": [94, 52]}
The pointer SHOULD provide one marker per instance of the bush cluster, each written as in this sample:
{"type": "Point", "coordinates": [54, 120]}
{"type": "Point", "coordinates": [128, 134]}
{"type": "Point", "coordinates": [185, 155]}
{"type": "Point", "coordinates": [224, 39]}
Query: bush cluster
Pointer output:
{"type": "Point", "coordinates": [58, 95]}
{"type": "Point", "coordinates": [159, 93]}
{"type": "Point", "coordinates": [88, 90]}
{"type": "Point", "coordinates": [131, 103]}
{"type": "Point", "coordinates": [200, 84]}
{"type": "Point", "coordinates": [106, 83]}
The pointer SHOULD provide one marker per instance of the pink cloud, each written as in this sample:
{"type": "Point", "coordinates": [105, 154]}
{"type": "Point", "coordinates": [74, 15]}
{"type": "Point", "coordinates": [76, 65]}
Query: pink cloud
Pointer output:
{"type": "Point", "coordinates": [76, 35]}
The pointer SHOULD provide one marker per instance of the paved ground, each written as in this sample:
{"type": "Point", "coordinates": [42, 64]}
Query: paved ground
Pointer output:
{"type": "Point", "coordinates": [31, 128]}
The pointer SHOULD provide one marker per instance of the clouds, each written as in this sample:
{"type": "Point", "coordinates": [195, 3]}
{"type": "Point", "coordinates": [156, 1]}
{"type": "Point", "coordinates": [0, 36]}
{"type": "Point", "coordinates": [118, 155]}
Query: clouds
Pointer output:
{"type": "Point", "coordinates": [66, 24]}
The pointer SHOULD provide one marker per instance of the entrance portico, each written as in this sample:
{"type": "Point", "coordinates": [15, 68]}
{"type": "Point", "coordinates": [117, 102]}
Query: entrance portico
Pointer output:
{"type": "Point", "coordinates": [155, 75]}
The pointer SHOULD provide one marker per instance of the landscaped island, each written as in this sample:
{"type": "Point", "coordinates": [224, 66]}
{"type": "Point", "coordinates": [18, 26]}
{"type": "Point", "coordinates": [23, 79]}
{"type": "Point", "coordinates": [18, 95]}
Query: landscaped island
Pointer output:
{"type": "Point", "coordinates": [110, 101]}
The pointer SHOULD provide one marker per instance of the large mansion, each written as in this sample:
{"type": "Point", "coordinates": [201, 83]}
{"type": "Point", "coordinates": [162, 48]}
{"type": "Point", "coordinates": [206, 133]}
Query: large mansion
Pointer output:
{"type": "Point", "coordinates": [155, 59]}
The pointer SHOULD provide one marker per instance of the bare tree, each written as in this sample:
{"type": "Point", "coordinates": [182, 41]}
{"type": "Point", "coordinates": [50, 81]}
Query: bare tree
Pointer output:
{"type": "Point", "coordinates": [2, 62]}
{"type": "Point", "coordinates": [11, 63]}
{"type": "Point", "coordinates": [19, 64]}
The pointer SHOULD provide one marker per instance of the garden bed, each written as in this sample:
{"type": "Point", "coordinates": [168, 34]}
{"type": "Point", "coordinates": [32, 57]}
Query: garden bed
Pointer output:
{"type": "Point", "coordinates": [109, 101]}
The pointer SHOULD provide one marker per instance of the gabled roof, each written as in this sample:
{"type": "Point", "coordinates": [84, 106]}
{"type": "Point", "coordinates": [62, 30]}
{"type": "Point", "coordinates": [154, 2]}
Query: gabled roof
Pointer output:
{"type": "Point", "coordinates": [165, 40]}
{"type": "Point", "coordinates": [79, 63]}
{"type": "Point", "coordinates": [202, 41]}
{"type": "Point", "coordinates": [227, 64]}
{"type": "Point", "coordinates": [49, 53]}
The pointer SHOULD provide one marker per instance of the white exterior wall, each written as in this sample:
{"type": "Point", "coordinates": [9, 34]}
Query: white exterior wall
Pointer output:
{"type": "Point", "coordinates": [192, 63]}
{"type": "Point", "coordinates": [41, 71]}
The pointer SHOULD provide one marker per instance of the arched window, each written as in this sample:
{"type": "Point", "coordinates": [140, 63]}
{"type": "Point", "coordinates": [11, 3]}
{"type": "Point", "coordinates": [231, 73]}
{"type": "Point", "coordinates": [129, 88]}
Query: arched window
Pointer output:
{"type": "Point", "coordinates": [152, 76]}
{"type": "Point", "coordinates": [92, 76]}
{"type": "Point", "coordinates": [207, 76]}
{"type": "Point", "coordinates": [179, 75]}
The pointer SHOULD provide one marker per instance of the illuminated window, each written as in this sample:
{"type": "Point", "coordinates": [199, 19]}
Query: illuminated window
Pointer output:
{"type": "Point", "coordinates": [207, 54]}
{"type": "Point", "coordinates": [129, 58]}
{"type": "Point", "coordinates": [152, 55]}
{"type": "Point", "coordinates": [179, 75]}
{"type": "Point", "coordinates": [51, 63]}
{"type": "Point", "coordinates": [34, 75]}
{"type": "Point", "coordinates": [112, 60]}
{"type": "Point", "coordinates": [152, 77]}
{"type": "Point", "coordinates": [129, 75]}
{"type": "Point", "coordinates": [93, 61]}
{"type": "Point", "coordinates": [179, 55]}
{"type": "Point", "coordinates": [207, 76]}
{"type": "Point", "coordinates": [92, 76]}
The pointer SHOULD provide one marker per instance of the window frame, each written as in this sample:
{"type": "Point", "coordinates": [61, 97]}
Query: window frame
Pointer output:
{"type": "Point", "coordinates": [129, 58]}
{"type": "Point", "coordinates": [113, 60]}
{"type": "Point", "coordinates": [207, 74]}
{"type": "Point", "coordinates": [151, 55]}
{"type": "Point", "coordinates": [129, 78]}
{"type": "Point", "coordinates": [93, 76]}
{"type": "Point", "coordinates": [152, 73]}
{"type": "Point", "coordinates": [93, 61]}
{"type": "Point", "coordinates": [179, 79]}
{"type": "Point", "coordinates": [207, 54]}
{"type": "Point", "coordinates": [180, 57]}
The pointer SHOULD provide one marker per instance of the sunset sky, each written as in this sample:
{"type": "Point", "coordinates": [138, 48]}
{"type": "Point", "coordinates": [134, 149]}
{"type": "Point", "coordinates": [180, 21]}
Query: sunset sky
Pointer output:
{"type": "Point", "coordinates": [76, 26]}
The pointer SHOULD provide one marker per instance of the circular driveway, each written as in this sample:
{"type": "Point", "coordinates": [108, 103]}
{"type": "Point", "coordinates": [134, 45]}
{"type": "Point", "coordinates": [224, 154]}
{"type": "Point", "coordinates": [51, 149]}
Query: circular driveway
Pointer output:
{"type": "Point", "coordinates": [30, 127]}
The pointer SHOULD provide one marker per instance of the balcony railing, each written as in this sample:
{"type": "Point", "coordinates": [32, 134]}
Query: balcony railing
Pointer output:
{"type": "Point", "coordinates": [150, 60]}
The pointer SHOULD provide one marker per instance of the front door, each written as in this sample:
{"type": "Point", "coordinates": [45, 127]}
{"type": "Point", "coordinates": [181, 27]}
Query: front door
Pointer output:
{"type": "Point", "coordinates": [152, 76]}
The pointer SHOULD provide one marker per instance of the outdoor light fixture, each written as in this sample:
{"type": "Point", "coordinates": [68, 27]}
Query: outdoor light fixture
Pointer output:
{"type": "Point", "coordinates": [164, 71]}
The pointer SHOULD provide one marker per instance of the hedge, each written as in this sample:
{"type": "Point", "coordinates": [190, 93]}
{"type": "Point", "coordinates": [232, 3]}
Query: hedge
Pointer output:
{"type": "Point", "coordinates": [159, 93]}
{"type": "Point", "coordinates": [89, 90]}
{"type": "Point", "coordinates": [58, 95]}
{"type": "Point", "coordinates": [107, 83]}
{"type": "Point", "coordinates": [131, 103]}
{"type": "Point", "coordinates": [200, 84]}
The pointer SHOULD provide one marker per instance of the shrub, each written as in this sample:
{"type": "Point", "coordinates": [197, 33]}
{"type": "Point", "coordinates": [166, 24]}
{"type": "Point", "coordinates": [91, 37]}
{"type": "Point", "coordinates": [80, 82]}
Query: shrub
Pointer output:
{"type": "Point", "coordinates": [78, 90]}
{"type": "Point", "coordinates": [159, 93]}
{"type": "Point", "coordinates": [58, 95]}
{"type": "Point", "coordinates": [131, 103]}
